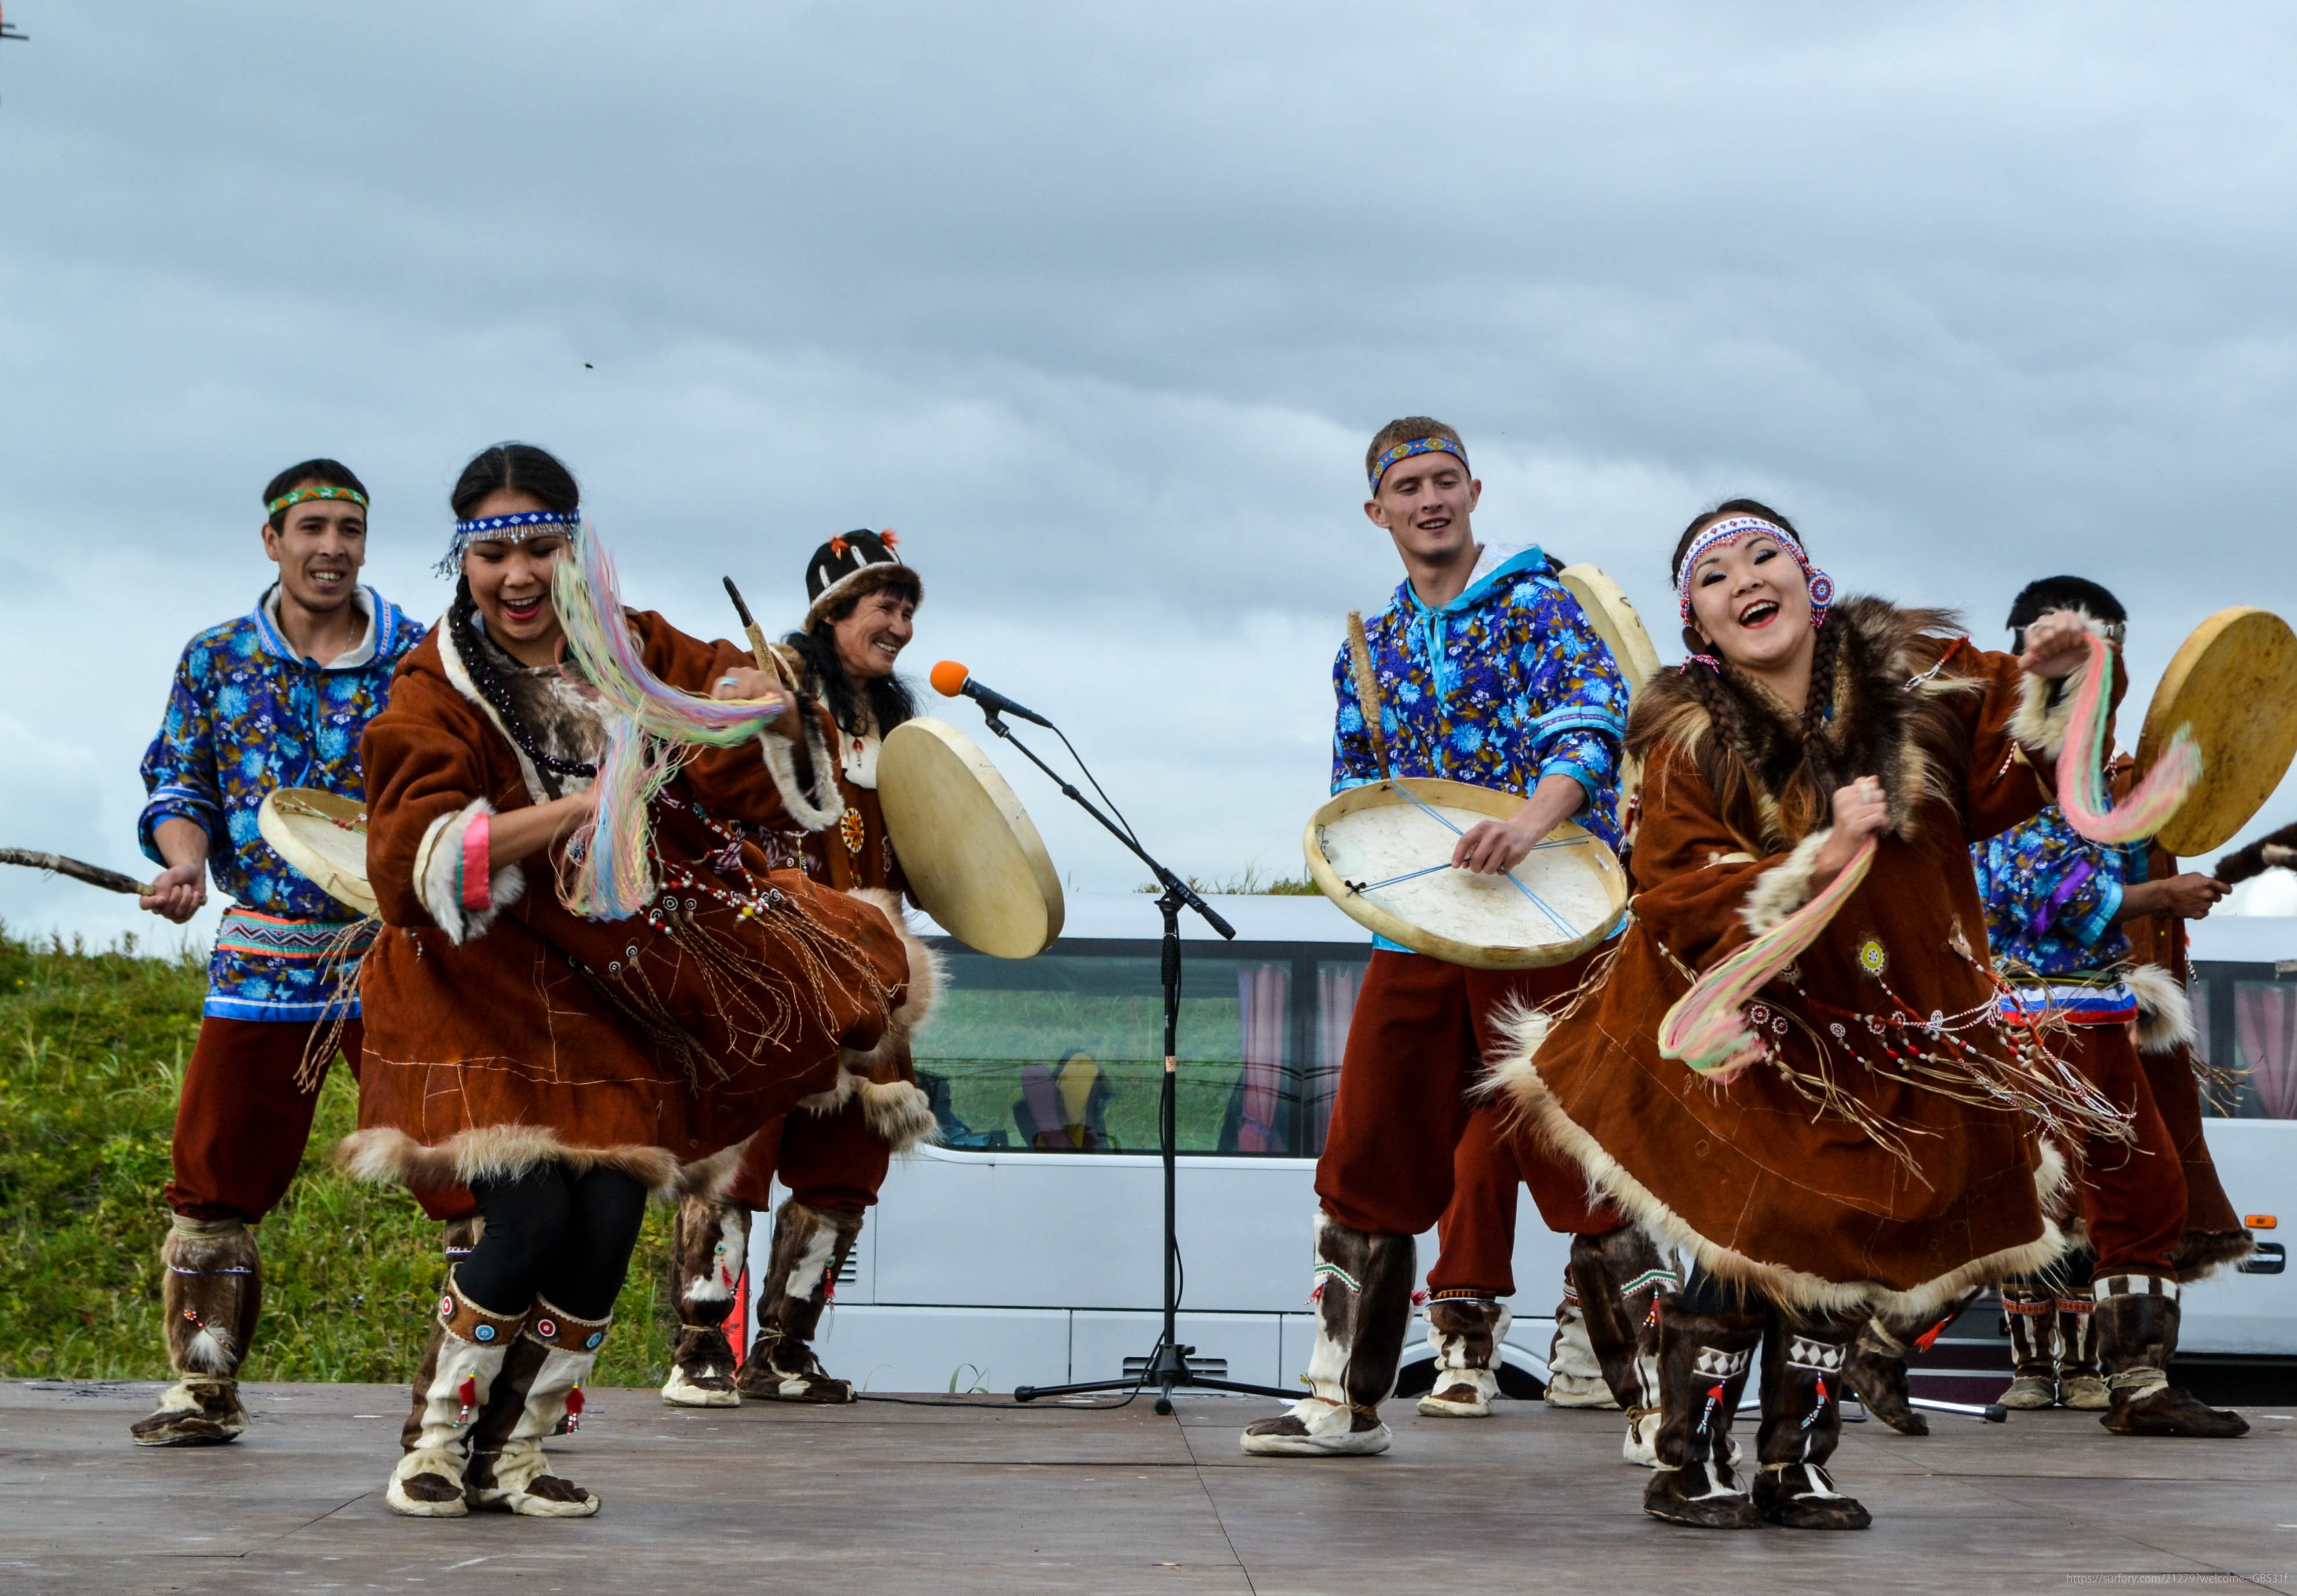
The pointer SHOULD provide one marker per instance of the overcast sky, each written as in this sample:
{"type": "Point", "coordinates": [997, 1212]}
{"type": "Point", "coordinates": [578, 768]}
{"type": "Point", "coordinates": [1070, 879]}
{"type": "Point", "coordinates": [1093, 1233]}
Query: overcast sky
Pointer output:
{"type": "Point", "coordinates": [1098, 305]}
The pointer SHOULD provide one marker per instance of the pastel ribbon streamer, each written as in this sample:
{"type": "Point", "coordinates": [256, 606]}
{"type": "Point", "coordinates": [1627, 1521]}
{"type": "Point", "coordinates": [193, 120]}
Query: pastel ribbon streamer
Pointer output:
{"type": "Point", "coordinates": [1707, 1028]}
{"type": "Point", "coordinates": [651, 727]}
{"type": "Point", "coordinates": [2081, 767]}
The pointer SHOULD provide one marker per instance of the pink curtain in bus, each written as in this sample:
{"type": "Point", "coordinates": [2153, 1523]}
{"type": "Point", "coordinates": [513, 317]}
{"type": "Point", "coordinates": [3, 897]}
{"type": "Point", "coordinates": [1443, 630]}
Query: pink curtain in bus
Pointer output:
{"type": "Point", "coordinates": [1263, 993]}
{"type": "Point", "coordinates": [2266, 1016]}
{"type": "Point", "coordinates": [1337, 986]}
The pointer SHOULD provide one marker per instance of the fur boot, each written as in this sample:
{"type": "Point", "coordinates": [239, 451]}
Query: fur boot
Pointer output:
{"type": "Point", "coordinates": [1703, 1362]}
{"type": "Point", "coordinates": [1575, 1378]}
{"type": "Point", "coordinates": [210, 1292]}
{"type": "Point", "coordinates": [2081, 1383]}
{"type": "Point", "coordinates": [811, 1246]}
{"type": "Point", "coordinates": [1802, 1422]}
{"type": "Point", "coordinates": [2031, 1307]}
{"type": "Point", "coordinates": [708, 1244]}
{"type": "Point", "coordinates": [461, 1370]}
{"type": "Point", "coordinates": [1465, 1333]}
{"type": "Point", "coordinates": [1364, 1310]}
{"type": "Point", "coordinates": [1621, 1279]}
{"type": "Point", "coordinates": [2136, 1321]}
{"type": "Point", "coordinates": [1876, 1370]}
{"type": "Point", "coordinates": [455, 1241]}
{"type": "Point", "coordinates": [541, 1382]}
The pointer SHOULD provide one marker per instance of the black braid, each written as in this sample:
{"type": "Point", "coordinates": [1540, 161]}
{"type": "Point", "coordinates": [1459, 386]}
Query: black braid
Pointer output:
{"type": "Point", "coordinates": [476, 660]}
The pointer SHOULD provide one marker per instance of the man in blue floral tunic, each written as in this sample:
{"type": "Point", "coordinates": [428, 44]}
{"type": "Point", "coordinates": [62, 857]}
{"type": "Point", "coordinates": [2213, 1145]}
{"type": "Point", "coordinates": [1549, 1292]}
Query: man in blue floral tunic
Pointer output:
{"type": "Point", "coordinates": [1489, 673]}
{"type": "Point", "coordinates": [276, 699]}
{"type": "Point", "coordinates": [2100, 1335]}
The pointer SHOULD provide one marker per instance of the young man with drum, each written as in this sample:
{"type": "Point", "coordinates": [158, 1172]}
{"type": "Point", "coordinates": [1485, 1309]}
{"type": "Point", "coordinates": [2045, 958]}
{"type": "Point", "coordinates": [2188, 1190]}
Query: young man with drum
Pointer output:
{"type": "Point", "coordinates": [2099, 1334]}
{"type": "Point", "coordinates": [832, 1155]}
{"type": "Point", "coordinates": [277, 698]}
{"type": "Point", "coordinates": [1486, 672]}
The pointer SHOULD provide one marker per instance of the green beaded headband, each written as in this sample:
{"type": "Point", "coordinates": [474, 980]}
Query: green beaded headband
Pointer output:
{"type": "Point", "coordinates": [301, 494]}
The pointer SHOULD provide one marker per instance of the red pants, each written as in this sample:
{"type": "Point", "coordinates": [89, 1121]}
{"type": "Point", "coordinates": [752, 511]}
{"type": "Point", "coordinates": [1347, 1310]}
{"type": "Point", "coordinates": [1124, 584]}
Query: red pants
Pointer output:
{"type": "Point", "coordinates": [242, 1122]}
{"type": "Point", "coordinates": [2133, 1197]}
{"type": "Point", "coordinates": [1477, 1232]}
{"type": "Point", "coordinates": [833, 1161]}
{"type": "Point", "coordinates": [1416, 1047]}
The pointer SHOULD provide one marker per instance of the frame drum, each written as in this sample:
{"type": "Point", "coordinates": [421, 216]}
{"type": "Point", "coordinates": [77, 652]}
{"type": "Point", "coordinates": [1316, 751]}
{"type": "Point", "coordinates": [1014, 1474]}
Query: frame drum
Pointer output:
{"type": "Point", "coordinates": [2234, 682]}
{"type": "Point", "coordinates": [1383, 854]}
{"type": "Point", "coordinates": [323, 836]}
{"type": "Point", "coordinates": [972, 858]}
{"type": "Point", "coordinates": [1616, 621]}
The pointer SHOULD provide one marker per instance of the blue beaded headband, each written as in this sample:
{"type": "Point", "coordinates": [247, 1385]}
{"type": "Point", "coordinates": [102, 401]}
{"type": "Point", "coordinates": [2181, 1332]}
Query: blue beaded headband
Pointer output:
{"type": "Point", "coordinates": [506, 529]}
{"type": "Point", "coordinates": [1418, 445]}
{"type": "Point", "coordinates": [1729, 529]}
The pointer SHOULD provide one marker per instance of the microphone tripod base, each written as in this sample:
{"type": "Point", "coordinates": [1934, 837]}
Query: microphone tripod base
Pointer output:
{"type": "Point", "coordinates": [1167, 1371]}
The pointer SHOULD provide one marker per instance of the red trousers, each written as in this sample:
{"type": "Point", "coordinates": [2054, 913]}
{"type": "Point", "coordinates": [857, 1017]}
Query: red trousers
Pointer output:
{"type": "Point", "coordinates": [241, 1121]}
{"type": "Point", "coordinates": [2133, 1197]}
{"type": "Point", "coordinates": [1417, 1044]}
{"type": "Point", "coordinates": [833, 1161]}
{"type": "Point", "coordinates": [1477, 1232]}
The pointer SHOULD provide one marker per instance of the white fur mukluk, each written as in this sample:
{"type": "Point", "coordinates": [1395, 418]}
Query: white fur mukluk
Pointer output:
{"type": "Point", "coordinates": [1515, 1075]}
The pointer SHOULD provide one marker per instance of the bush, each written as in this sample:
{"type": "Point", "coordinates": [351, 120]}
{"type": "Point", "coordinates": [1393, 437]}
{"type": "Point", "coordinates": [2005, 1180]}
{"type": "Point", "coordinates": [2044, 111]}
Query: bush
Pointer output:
{"type": "Point", "coordinates": [92, 1053]}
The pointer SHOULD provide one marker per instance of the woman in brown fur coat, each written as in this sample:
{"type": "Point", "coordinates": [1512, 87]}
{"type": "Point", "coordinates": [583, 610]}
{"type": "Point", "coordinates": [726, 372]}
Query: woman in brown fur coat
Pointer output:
{"type": "Point", "coordinates": [1875, 1149]}
{"type": "Point", "coordinates": [564, 1067]}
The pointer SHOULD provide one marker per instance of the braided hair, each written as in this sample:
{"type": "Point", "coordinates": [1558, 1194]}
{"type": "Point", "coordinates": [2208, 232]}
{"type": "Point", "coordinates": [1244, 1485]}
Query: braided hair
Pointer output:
{"type": "Point", "coordinates": [1800, 775]}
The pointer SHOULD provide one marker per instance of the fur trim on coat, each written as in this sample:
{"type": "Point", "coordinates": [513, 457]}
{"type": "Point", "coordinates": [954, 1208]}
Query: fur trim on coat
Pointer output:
{"type": "Point", "coordinates": [2045, 708]}
{"type": "Point", "coordinates": [439, 876]}
{"type": "Point", "coordinates": [2165, 1013]}
{"type": "Point", "coordinates": [1785, 887]}
{"type": "Point", "coordinates": [1517, 1076]}
{"type": "Point", "coordinates": [505, 1152]}
{"type": "Point", "coordinates": [895, 1106]}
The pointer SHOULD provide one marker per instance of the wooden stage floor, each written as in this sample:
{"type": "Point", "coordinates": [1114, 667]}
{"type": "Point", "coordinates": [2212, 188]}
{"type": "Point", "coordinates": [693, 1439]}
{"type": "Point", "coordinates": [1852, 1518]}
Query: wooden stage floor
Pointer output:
{"type": "Point", "coordinates": [893, 1499]}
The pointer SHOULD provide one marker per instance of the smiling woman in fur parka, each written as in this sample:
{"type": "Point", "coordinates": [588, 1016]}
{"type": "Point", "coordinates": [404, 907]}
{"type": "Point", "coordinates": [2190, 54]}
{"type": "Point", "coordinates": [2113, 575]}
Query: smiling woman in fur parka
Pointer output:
{"type": "Point", "coordinates": [1882, 1151]}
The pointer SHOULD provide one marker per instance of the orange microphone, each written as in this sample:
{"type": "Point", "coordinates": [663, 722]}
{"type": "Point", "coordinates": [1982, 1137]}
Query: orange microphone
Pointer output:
{"type": "Point", "coordinates": [951, 680]}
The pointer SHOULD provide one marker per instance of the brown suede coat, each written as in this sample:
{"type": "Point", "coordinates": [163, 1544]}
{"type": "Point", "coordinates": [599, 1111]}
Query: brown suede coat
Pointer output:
{"type": "Point", "coordinates": [1754, 1178]}
{"type": "Point", "coordinates": [652, 1043]}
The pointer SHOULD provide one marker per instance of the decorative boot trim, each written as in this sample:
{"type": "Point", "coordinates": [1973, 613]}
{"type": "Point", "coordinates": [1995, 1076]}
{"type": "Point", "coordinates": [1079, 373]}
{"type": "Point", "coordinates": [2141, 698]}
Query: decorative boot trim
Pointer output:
{"type": "Point", "coordinates": [1364, 1310]}
{"type": "Point", "coordinates": [2031, 1312]}
{"type": "Point", "coordinates": [1620, 1277]}
{"type": "Point", "coordinates": [541, 1382]}
{"type": "Point", "coordinates": [709, 1241]}
{"type": "Point", "coordinates": [1819, 1357]}
{"type": "Point", "coordinates": [811, 1246]}
{"type": "Point", "coordinates": [210, 1292]}
{"type": "Point", "coordinates": [1802, 1423]}
{"type": "Point", "coordinates": [1703, 1360]}
{"type": "Point", "coordinates": [2132, 1285]}
{"type": "Point", "coordinates": [1464, 1333]}
{"type": "Point", "coordinates": [2079, 1384]}
{"type": "Point", "coordinates": [459, 1374]}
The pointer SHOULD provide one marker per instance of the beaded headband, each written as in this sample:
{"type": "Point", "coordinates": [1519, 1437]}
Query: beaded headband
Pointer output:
{"type": "Point", "coordinates": [1418, 445]}
{"type": "Point", "coordinates": [1730, 530]}
{"type": "Point", "coordinates": [301, 494]}
{"type": "Point", "coordinates": [507, 528]}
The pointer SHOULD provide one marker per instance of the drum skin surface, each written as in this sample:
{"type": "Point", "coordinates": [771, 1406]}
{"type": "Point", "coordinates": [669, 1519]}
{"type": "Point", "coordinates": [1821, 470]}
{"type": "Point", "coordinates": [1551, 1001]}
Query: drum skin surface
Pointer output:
{"type": "Point", "coordinates": [971, 855]}
{"type": "Point", "coordinates": [1564, 899]}
{"type": "Point", "coordinates": [2234, 683]}
{"type": "Point", "coordinates": [323, 836]}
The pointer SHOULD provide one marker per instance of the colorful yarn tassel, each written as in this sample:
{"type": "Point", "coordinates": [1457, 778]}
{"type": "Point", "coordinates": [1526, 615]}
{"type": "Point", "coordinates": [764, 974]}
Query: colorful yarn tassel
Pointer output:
{"type": "Point", "coordinates": [1708, 1027]}
{"type": "Point", "coordinates": [2081, 767]}
{"type": "Point", "coordinates": [649, 730]}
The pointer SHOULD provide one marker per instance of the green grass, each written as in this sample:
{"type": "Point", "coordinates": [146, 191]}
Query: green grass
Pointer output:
{"type": "Point", "coordinates": [92, 1052]}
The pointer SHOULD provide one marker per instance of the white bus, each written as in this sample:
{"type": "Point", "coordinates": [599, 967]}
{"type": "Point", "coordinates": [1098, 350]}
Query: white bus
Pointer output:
{"type": "Point", "coordinates": [1023, 1250]}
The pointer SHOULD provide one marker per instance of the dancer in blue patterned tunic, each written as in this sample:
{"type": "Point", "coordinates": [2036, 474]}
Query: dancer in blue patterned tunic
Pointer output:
{"type": "Point", "coordinates": [2099, 1334]}
{"type": "Point", "coordinates": [277, 698]}
{"type": "Point", "coordinates": [1487, 673]}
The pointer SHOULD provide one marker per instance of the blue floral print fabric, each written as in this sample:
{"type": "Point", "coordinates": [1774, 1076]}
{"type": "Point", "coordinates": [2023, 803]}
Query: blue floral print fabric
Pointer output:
{"type": "Point", "coordinates": [1507, 684]}
{"type": "Point", "coordinates": [2051, 897]}
{"type": "Point", "coordinates": [245, 716]}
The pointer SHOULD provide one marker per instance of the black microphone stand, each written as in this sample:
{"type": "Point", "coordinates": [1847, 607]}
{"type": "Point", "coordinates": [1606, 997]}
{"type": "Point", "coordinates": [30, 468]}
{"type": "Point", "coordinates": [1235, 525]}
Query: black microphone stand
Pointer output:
{"type": "Point", "coordinates": [1167, 1367]}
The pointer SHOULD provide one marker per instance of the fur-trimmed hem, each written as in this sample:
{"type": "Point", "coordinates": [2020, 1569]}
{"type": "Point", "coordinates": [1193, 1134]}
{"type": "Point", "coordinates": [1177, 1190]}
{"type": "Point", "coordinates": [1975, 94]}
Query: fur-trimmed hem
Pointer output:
{"type": "Point", "coordinates": [1520, 1079]}
{"type": "Point", "coordinates": [439, 876]}
{"type": "Point", "coordinates": [1785, 887]}
{"type": "Point", "coordinates": [829, 1102]}
{"type": "Point", "coordinates": [2165, 1013]}
{"type": "Point", "coordinates": [781, 764]}
{"type": "Point", "coordinates": [2045, 708]}
{"type": "Point", "coordinates": [901, 1114]}
{"type": "Point", "coordinates": [925, 984]}
{"type": "Point", "coordinates": [505, 1152]}
{"type": "Point", "coordinates": [2201, 1253]}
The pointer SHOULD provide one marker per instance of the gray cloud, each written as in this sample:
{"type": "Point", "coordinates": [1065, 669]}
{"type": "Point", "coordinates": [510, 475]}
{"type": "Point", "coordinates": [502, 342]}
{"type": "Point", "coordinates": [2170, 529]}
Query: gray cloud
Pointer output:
{"type": "Point", "coordinates": [1097, 304]}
